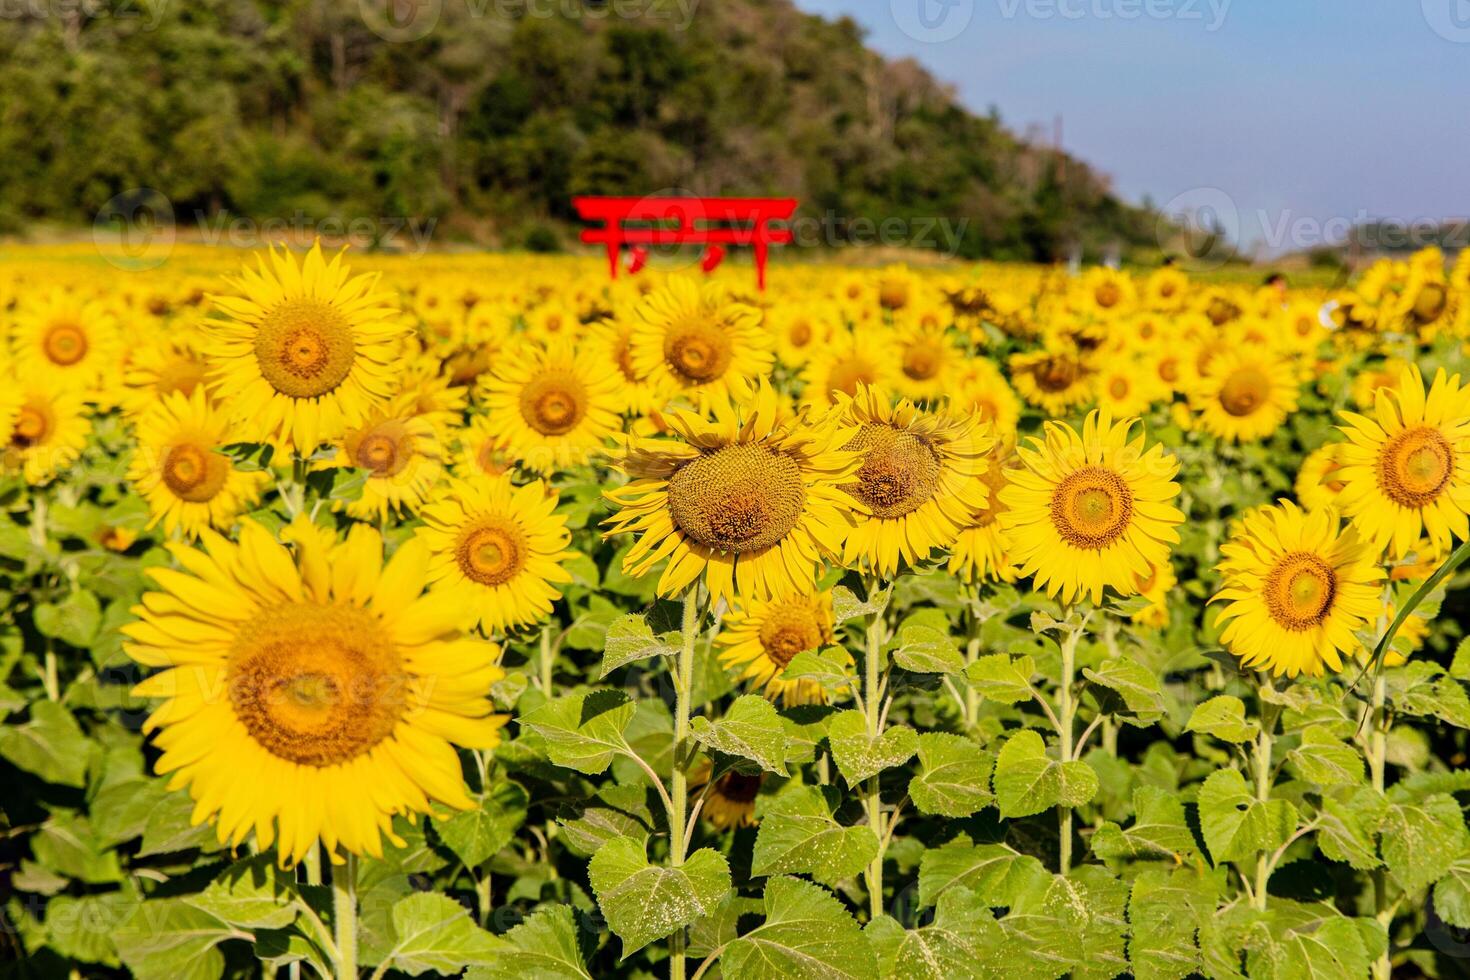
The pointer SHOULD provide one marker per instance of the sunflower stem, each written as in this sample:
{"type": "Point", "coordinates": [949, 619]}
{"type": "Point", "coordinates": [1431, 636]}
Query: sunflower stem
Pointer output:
{"type": "Point", "coordinates": [679, 783]}
{"type": "Point", "coordinates": [344, 916]}
{"type": "Point", "coordinates": [1066, 715]}
{"type": "Point", "coordinates": [872, 795]}
{"type": "Point", "coordinates": [972, 653]}
{"type": "Point", "coordinates": [547, 661]}
{"type": "Point", "coordinates": [1264, 746]}
{"type": "Point", "coordinates": [1377, 763]}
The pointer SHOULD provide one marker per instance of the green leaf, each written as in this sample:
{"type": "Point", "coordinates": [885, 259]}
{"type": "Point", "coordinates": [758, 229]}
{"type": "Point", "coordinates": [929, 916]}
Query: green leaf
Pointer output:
{"type": "Point", "coordinates": [67, 845]}
{"type": "Point", "coordinates": [81, 927]}
{"type": "Point", "coordinates": [963, 941]}
{"type": "Point", "coordinates": [1002, 678]}
{"type": "Point", "coordinates": [645, 902]}
{"type": "Point", "coordinates": [926, 650]}
{"type": "Point", "coordinates": [1324, 760]}
{"type": "Point", "coordinates": [616, 811]}
{"type": "Point", "coordinates": [1137, 696]}
{"type": "Point", "coordinates": [583, 731]}
{"type": "Point", "coordinates": [169, 939]}
{"type": "Point", "coordinates": [1027, 781]}
{"type": "Point", "coordinates": [1342, 834]}
{"type": "Point", "coordinates": [50, 745]}
{"type": "Point", "coordinates": [860, 755]}
{"type": "Point", "coordinates": [630, 639]}
{"type": "Point", "coordinates": [1452, 895]}
{"type": "Point", "coordinates": [1235, 824]}
{"type": "Point", "coordinates": [73, 621]}
{"type": "Point", "coordinates": [544, 946]}
{"type": "Point", "coordinates": [1309, 944]}
{"type": "Point", "coordinates": [993, 871]}
{"type": "Point", "coordinates": [798, 834]}
{"type": "Point", "coordinates": [846, 605]}
{"type": "Point", "coordinates": [434, 933]}
{"type": "Point", "coordinates": [1224, 718]}
{"type": "Point", "coordinates": [831, 667]}
{"type": "Point", "coordinates": [953, 778]}
{"type": "Point", "coordinates": [1159, 830]}
{"type": "Point", "coordinates": [1166, 910]}
{"type": "Point", "coordinates": [251, 894]}
{"type": "Point", "coordinates": [1421, 839]}
{"type": "Point", "coordinates": [477, 834]}
{"type": "Point", "coordinates": [1460, 665]}
{"type": "Point", "coordinates": [807, 934]}
{"type": "Point", "coordinates": [751, 729]}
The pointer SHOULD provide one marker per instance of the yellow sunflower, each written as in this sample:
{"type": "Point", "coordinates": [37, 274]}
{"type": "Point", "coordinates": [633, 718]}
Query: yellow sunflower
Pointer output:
{"type": "Point", "coordinates": [1406, 471]}
{"type": "Point", "coordinates": [981, 551]}
{"type": "Point", "coordinates": [864, 356]}
{"type": "Point", "coordinates": [730, 802]}
{"type": "Point", "coordinates": [403, 457]}
{"type": "Point", "coordinates": [613, 342]}
{"type": "Point", "coordinates": [497, 548]}
{"type": "Point", "coordinates": [981, 389]}
{"type": "Point", "coordinates": [1245, 394]}
{"type": "Point", "coordinates": [177, 468]}
{"type": "Point", "coordinates": [65, 341]}
{"type": "Point", "coordinates": [1155, 586]}
{"type": "Point", "coordinates": [764, 635]}
{"type": "Point", "coordinates": [1318, 481]}
{"type": "Point", "coordinates": [1166, 290]}
{"type": "Point", "coordinates": [1125, 387]}
{"type": "Point", "coordinates": [756, 503]}
{"type": "Point", "coordinates": [49, 431]}
{"type": "Point", "coordinates": [481, 450]}
{"type": "Point", "coordinates": [1053, 380]}
{"type": "Point", "coordinates": [928, 360]}
{"type": "Point", "coordinates": [1105, 293]}
{"type": "Point", "coordinates": [1297, 585]}
{"type": "Point", "coordinates": [553, 407]}
{"type": "Point", "coordinates": [700, 343]}
{"type": "Point", "coordinates": [310, 697]}
{"type": "Point", "coordinates": [156, 370]}
{"type": "Point", "coordinates": [306, 352]}
{"type": "Point", "coordinates": [1090, 510]}
{"type": "Point", "coordinates": [800, 330]}
{"type": "Point", "coordinates": [919, 482]}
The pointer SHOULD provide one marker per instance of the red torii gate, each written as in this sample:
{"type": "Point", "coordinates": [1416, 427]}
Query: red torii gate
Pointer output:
{"type": "Point", "coordinates": [711, 221]}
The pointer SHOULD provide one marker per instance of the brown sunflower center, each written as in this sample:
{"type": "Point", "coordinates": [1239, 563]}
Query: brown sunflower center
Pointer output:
{"type": "Point", "coordinates": [922, 362]}
{"type": "Point", "coordinates": [1415, 466]}
{"type": "Point", "coordinates": [65, 344]}
{"type": "Point", "coordinates": [1056, 374]}
{"type": "Point", "coordinates": [1299, 591]}
{"type": "Point", "coordinates": [900, 471]}
{"type": "Point", "coordinates": [893, 294]}
{"type": "Point", "coordinates": [553, 403]}
{"type": "Point", "coordinates": [492, 552]}
{"type": "Point", "coordinates": [1245, 390]}
{"type": "Point", "coordinates": [740, 498]}
{"type": "Point", "coordinates": [1091, 508]}
{"type": "Point", "coordinates": [1169, 369]}
{"type": "Point", "coordinates": [317, 685]}
{"type": "Point", "coordinates": [1118, 387]}
{"type": "Point", "coordinates": [193, 473]}
{"type": "Point", "coordinates": [384, 449]}
{"type": "Point", "coordinates": [305, 348]}
{"type": "Point", "coordinates": [32, 426]}
{"type": "Point", "coordinates": [738, 787]}
{"type": "Point", "coordinates": [800, 333]}
{"type": "Point", "coordinates": [1108, 295]}
{"type": "Point", "coordinates": [623, 353]}
{"type": "Point", "coordinates": [490, 459]}
{"type": "Point", "coordinates": [698, 351]}
{"type": "Point", "coordinates": [791, 628]}
{"type": "Point", "coordinates": [1430, 304]}
{"type": "Point", "coordinates": [845, 375]}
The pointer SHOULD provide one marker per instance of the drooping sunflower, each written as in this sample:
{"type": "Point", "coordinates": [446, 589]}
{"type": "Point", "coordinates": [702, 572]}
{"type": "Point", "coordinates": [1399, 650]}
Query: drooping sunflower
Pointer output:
{"type": "Point", "coordinates": [552, 407]}
{"type": "Point", "coordinates": [310, 696]}
{"type": "Point", "coordinates": [307, 351]}
{"type": "Point", "coordinates": [919, 482]}
{"type": "Point", "coordinates": [755, 503]}
{"type": "Point", "coordinates": [403, 457]}
{"type": "Point", "coordinates": [1297, 585]}
{"type": "Point", "coordinates": [49, 431]}
{"type": "Point", "coordinates": [1053, 380]}
{"type": "Point", "coordinates": [764, 635]}
{"type": "Point", "coordinates": [1090, 511]}
{"type": "Point", "coordinates": [65, 341]}
{"type": "Point", "coordinates": [177, 468]}
{"type": "Point", "coordinates": [699, 342]}
{"type": "Point", "coordinates": [1406, 471]}
{"type": "Point", "coordinates": [1245, 394]}
{"type": "Point", "coordinates": [498, 549]}
{"type": "Point", "coordinates": [730, 802]}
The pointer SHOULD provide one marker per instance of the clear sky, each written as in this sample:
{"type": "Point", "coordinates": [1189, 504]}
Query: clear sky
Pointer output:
{"type": "Point", "coordinates": [1299, 116]}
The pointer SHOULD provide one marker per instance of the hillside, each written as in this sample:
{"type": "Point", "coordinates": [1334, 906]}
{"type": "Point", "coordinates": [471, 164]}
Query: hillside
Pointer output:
{"type": "Point", "coordinates": [282, 108]}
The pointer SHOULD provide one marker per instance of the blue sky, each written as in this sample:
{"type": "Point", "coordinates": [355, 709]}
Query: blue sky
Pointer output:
{"type": "Point", "coordinates": [1303, 115]}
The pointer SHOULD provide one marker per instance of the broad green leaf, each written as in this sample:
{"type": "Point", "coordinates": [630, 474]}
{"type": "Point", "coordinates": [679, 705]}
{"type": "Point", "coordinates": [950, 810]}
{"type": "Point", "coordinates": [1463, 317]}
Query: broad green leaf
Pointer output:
{"type": "Point", "coordinates": [1460, 664]}
{"type": "Point", "coordinates": [74, 620]}
{"type": "Point", "coordinates": [846, 605]}
{"type": "Point", "coordinates": [1159, 830]}
{"type": "Point", "coordinates": [168, 939]}
{"type": "Point", "coordinates": [1421, 839]}
{"type": "Point", "coordinates": [1166, 909]}
{"type": "Point", "coordinates": [50, 745]}
{"type": "Point", "coordinates": [993, 871]}
{"type": "Point", "coordinates": [644, 902]}
{"type": "Point", "coordinates": [1135, 692]}
{"type": "Point", "coordinates": [616, 811]}
{"type": "Point", "coordinates": [926, 650]}
{"type": "Point", "coordinates": [750, 729]}
{"type": "Point", "coordinates": [1002, 678]}
{"type": "Point", "coordinates": [630, 639]}
{"type": "Point", "coordinates": [1235, 824]}
{"type": "Point", "coordinates": [251, 894]}
{"type": "Point", "coordinates": [953, 778]}
{"type": "Point", "coordinates": [859, 755]}
{"type": "Point", "coordinates": [583, 731]}
{"type": "Point", "coordinates": [1452, 895]}
{"type": "Point", "coordinates": [434, 933]}
{"type": "Point", "coordinates": [798, 834]}
{"type": "Point", "coordinates": [544, 946]}
{"type": "Point", "coordinates": [67, 845]}
{"type": "Point", "coordinates": [1343, 835]}
{"type": "Point", "coordinates": [475, 835]}
{"type": "Point", "coordinates": [831, 667]}
{"type": "Point", "coordinates": [807, 935]}
{"type": "Point", "coordinates": [81, 927]}
{"type": "Point", "coordinates": [1027, 781]}
{"type": "Point", "coordinates": [963, 941]}
{"type": "Point", "coordinates": [1308, 944]}
{"type": "Point", "coordinates": [1324, 760]}
{"type": "Point", "coordinates": [1224, 718]}
{"type": "Point", "coordinates": [722, 926]}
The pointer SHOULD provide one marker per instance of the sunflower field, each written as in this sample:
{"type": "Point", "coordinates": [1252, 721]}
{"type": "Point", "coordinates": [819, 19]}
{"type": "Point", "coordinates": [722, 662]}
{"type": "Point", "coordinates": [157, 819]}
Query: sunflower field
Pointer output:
{"type": "Point", "coordinates": [478, 615]}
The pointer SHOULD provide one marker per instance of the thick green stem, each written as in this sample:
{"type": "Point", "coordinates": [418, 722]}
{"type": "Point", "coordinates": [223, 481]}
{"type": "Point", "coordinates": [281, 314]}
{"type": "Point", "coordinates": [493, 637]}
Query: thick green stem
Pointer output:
{"type": "Point", "coordinates": [1066, 715]}
{"type": "Point", "coordinates": [1377, 763]}
{"type": "Point", "coordinates": [872, 796]}
{"type": "Point", "coordinates": [344, 914]}
{"type": "Point", "coordinates": [547, 661]}
{"type": "Point", "coordinates": [972, 653]}
{"type": "Point", "coordinates": [679, 784]}
{"type": "Point", "coordinates": [1263, 796]}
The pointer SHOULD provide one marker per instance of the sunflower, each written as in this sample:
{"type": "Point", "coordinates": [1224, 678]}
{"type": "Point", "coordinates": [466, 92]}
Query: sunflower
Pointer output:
{"type": "Point", "coordinates": [756, 503]}
{"type": "Point", "coordinates": [306, 352]}
{"type": "Point", "coordinates": [553, 407]}
{"type": "Point", "coordinates": [613, 343]}
{"type": "Point", "coordinates": [1173, 366]}
{"type": "Point", "coordinates": [730, 801]}
{"type": "Point", "coordinates": [864, 356]}
{"type": "Point", "coordinates": [158, 369]}
{"type": "Point", "coordinates": [981, 390]}
{"type": "Point", "coordinates": [481, 451]}
{"type": "Point", "coordinates": [928, 360]}
{"type": "Point", "coordinates": [178, 469]}
{"type": "Point", "coordinates": [1300, 327]}
{"type": "Point", "coordinates": [982, 551]}
{"type": "Point", "coordinates": [919, 482]}
{"type": "Point", "coordinates": [1318, 481]}
{"type": "Point", "coordinates": [699, 342]}
{"type": "Point", "coordinates": [49, 430]}
{"type": "Point", "coordinates": [64, 341]}
{"type": "Point", "coordinates": [1090, 511]}
{"type": "Point", "coordinates": [402, 455]}
{"type": "Point", "coordinates": [1369, 381]}
{"type": "Point", "coordinates": [1297, 585]}
{"type": "Point", "coordinates": [799, 331]}
{"type": "Point", "coordinates": [310, 699]}
{"type": "Point", "coordinates": [1406, 471]}
{"type": "Point", "coordinates": [1124, 388]}
{"type": "Point", "coordinates": [1106, 293]}
{"type": "Point", "coordinates": [1155, 586]}
{"type": "Point", "coordinates": [497, 548]}
{"type": "Point", "coordinates": [1245, 395]}
{"type": "Point", "coordinates": [1053, 380]}
{"type": "Point", "coordinates": [765, 635]}
{"type": "Point", "coordinates": [1166, 290]}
